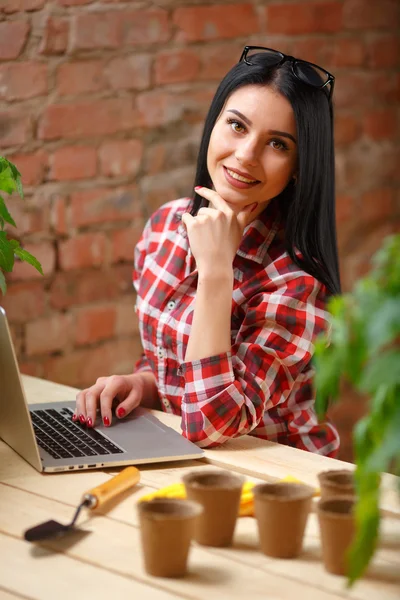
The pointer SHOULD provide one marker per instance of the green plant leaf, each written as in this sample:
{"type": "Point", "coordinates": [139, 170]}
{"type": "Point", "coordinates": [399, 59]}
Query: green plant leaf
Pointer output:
{"type": "Point", "coordinates": [7, 182]}
{"type": "Point", "coordinates": [6, 253]}
{"type": "Point", "coordinates": [3, 285]}
{"type": "Point", "coordinates": [4, 214]}
{"type": "Point", "coordinates": [367, 527]}
{"type": "Point", "coordinates": [381, 370]}
{"type": "Point", "coordinates": [385, 326]}
{"type": "Point", "coordinates": [27, 257]}
{"type": "Point", "coordinates": [389, 448]}
{"type": "Point", "coordinates": [17, 178]}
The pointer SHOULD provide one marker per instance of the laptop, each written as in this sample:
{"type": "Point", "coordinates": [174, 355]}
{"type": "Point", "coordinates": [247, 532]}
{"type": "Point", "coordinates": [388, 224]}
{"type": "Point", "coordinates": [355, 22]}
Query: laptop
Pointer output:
{"type": "Point", "coordinates": [46, 437]}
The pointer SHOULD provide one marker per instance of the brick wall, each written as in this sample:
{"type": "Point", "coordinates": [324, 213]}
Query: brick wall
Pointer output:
{"type": "Point", "coordinates": [101, 106]}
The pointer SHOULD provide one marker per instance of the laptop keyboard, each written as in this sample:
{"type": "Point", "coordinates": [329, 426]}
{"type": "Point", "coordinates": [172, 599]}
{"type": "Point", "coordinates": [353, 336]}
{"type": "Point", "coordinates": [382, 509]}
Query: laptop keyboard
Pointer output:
{"type": "Point", "coordinates": [62, 438]}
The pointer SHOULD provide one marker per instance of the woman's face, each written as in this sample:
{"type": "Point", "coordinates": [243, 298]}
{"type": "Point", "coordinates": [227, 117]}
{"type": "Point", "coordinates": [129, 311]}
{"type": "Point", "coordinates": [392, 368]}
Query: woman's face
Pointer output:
{"type": "Point", "coordinates": [252, 153]}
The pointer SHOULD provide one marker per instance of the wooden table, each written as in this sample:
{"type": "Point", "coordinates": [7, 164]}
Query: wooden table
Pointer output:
{"type": "Point", "coordinates": [107, 561]}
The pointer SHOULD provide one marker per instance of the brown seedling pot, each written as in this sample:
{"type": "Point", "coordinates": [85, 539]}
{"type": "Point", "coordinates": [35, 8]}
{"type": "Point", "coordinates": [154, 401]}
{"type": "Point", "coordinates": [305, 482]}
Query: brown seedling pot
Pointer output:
{"type": "Point", "coordinates": [337, 530]}
{"type": "Point", "coordinates": [336, 483]}
{"type": "Point", "coordinates": [281, 510]}
{"type": "Point", "coordinates": [219, 494]}
{"type": "Point", "coordinates": [167, 528]}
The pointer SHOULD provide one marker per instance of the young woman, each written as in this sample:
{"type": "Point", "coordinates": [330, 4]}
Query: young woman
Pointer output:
{"type": "Point", "coordinates": [232, 284]}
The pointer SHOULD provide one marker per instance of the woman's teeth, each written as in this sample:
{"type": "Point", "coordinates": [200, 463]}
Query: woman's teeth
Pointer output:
{"type": "Point", "coordinates": [240, 177]}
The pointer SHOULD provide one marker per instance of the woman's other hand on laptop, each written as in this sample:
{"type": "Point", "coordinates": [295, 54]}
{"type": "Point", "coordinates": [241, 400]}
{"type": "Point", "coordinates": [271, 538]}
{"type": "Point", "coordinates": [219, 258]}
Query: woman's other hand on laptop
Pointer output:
{"type": "Point", "coordinates": [129, 391]}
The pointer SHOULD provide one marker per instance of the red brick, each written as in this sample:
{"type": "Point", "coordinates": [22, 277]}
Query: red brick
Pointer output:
{"type": "Point", "coordinates": [380, 124]}
{"type": "Point", "coordinates": [12, 6]}
{"type": "Point", "coordinates": [82, 77]}
{"type": "Point", "coordinates": [331, 53]}
{"type": "Point", "coordinates": [121, 157]}
{"type": "Point", "coordinates": [74, 288]}
{"type": "Point", "coordinates": [344, 208]}
{"type": "Point", "coordinates": [55, 36]}
{"type": "Point", "coordinates": [347, 129]}
{"type": "Point", "coordinates": [384, 52]}
{"type": "Point", "coordinates": [95, 323]}
{"type": "Point", "coordinates": [384, 88]}
{"type": "Point", "coordinates": [367, 14]}
{"type": "Point", "coordinates": [87, 119]}
{"type": "Point", "coordinates": [15, 128]}
{"type": "Point", "coordinates": [48, 334]}
{"type": "Point", "coordinates": [33, 368]}
{"type": "Point", "coordinates": [123, 242]}
{"type": "Point", "coordinates": [73, 162]}
{"type": "Point", "coordinates": [13, 37]}
{"type": "Point", "coordinates": [24, 301]}
{"type": "Point", "coordinates": [74, 2]}
{"type": "Point", "coordinates": [31, 166]}
{"type": "Point", "coordinates": [58, 216]}
{"type": "Point", "coordinates": [145, 27]}
{"type": "Point", "coordinates": [97, 30]}
{"type": "Point", "coordinates": [352, 90]}
{"type": "Point", "coordinates": [201, 23]}
{"type": "Point", "coordinates": [82, 367]}
{"type": "Point", "coordinates": [127, 321]}
{"type": "Point", "coordinates": [160, 108]}
{"type": "Point", "coordinates": [22, 80]}
{"type": "Point", "coordinates": [104, 205]}
{"type": "Point", "coordinates": [30, 214]}
{"type": "Point", "coordinates": [304, 17]}
{"type": "Point", "coordinates": [129, 72]}
{"type": "Point", "coordinates": [45, 254]}
{"type": "Point", "coordinates": [217, 60]}
{"type": "Point", "coordinates": [176, 66]}
{"type": "Point", "coordinates": [376, 205]}
{"type": "Point", "coordinates": [85, 250]}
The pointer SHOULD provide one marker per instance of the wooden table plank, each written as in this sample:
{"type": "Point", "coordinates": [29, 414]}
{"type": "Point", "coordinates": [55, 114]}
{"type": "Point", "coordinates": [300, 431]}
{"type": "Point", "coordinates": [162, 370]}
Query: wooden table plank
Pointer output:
{"type": "Point", "coordinates": [115, 545]}
{"type": "Point", "coordinates": [247, 454]}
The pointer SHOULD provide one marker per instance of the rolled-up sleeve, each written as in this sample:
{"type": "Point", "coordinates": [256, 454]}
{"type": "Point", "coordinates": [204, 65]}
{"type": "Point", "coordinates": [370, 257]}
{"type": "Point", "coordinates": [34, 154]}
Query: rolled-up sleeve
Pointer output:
{"type": "Point", "coordinates": [264, 382]}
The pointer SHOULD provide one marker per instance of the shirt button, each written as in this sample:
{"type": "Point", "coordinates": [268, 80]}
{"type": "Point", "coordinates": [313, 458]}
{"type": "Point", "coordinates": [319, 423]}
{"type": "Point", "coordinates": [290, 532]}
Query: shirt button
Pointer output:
{"type": "Point", "coordinates": [160, 352]}
{"type": "Point", "coordinates": [171, 305]}
{"type": "Point", "coordinates": [166, 403]}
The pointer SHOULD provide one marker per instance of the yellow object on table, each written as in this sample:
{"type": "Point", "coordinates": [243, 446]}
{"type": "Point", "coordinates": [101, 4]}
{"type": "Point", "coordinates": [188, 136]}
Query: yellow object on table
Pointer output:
{"type": "Point", "coordinates": [246, 509]}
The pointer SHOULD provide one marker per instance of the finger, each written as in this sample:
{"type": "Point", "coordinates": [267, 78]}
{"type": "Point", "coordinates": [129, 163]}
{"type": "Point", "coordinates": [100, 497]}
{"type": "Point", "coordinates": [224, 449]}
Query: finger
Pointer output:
{"type": "Point", "coordinates": [207, 211]}
{"type": "Point", "coordinates": [130, 403]}
{"type": "Point", "coordinates": [213, 197]}
{"type": "Point", "coordinates": [244, 214]}
{"type": "Point", "coordinates": [187, 219]}
{"type": "Point", "coordinates": [80, 407]}
{"type": "Point", "coordinates": [115, 385]}
{"type": "Point", "coordinates": [92, 401]}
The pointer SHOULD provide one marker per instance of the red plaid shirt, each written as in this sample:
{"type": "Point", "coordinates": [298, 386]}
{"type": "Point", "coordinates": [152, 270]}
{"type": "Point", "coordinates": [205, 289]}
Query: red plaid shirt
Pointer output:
{"type": "Point", "coordinates": [263, 386]}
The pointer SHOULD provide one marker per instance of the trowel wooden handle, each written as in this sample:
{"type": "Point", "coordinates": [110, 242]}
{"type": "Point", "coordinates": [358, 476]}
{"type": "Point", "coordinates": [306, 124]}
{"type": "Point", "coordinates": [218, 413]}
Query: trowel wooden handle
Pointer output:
{"type": "Point", "coordinates": [118, 484]}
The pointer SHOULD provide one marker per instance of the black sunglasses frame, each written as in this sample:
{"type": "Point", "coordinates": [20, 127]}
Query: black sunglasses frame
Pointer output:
{"type": "Point", "coordinates": [286, 57]}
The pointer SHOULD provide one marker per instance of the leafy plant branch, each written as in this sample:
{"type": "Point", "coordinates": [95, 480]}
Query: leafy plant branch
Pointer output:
{"type": "Point", "coordinates": [363, 348]}
{"type": "Point", "coordinates": [10, 181]}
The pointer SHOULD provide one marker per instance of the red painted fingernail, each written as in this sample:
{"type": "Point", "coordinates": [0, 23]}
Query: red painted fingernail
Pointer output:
{"type": "Point", "coordinates": [82, 419]}
{"type": "Point", "coordinates": [198, 187]}
{"type": "Point", "coordinates": [74, 417]}
{"type": "Point", "coordinates": [106, 421]}
{"type": "Point", "coordinates": [89, 422]}
{"type": "Point", "coordinates": [121, 412]}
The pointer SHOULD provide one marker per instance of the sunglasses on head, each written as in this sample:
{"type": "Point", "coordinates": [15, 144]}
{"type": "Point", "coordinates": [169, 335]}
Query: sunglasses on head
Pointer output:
{"type": "Point", "coordinates": [307, 72]}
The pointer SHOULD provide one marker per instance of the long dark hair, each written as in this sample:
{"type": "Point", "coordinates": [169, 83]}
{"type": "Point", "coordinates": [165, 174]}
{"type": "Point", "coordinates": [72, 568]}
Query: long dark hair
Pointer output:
{"type": "Point", "coordinates": [308, 206]}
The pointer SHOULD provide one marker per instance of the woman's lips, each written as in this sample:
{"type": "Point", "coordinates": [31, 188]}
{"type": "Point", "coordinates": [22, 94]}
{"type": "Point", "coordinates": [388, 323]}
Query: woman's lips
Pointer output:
{"type": "Point", "coordinates": [237, 183]}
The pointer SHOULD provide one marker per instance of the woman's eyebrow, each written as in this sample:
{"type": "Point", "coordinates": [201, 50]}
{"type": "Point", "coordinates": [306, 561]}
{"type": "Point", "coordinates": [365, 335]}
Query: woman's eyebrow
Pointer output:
{"type": "Point", "coordinates": [271, 131]}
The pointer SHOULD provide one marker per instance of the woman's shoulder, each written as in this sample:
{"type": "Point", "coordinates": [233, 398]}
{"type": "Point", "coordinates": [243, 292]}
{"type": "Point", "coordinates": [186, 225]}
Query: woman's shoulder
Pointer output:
{"type": "Point", "coordinates": [169, 214]}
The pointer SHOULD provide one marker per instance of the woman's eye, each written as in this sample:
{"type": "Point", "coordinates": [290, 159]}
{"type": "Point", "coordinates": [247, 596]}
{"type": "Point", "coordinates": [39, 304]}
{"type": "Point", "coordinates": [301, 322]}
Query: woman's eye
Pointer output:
{"type": "Point", "coordinates": [236, 126]}
{"type": "Point", "coordinates": [278, 145]}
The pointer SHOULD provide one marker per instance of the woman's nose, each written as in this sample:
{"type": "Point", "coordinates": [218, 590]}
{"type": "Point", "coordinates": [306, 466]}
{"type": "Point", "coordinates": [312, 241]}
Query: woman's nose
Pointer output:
{"type": "Point", "coordinates": [247, 154]}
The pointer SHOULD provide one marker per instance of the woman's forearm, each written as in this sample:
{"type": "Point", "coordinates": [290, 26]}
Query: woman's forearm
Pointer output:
{"type": "Point", "coordinates": [211, 327]}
